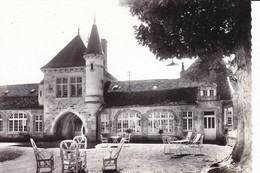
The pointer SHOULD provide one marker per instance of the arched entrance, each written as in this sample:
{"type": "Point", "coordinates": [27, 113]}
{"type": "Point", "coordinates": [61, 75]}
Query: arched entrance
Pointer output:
{"type": "Point", "coordinates": [68, 126]}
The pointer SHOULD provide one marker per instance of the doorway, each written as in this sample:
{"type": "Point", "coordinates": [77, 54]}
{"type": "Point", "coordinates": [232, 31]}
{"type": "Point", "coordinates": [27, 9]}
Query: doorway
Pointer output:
{"type": "Point", "coordinates": [68, 126]}
{"type": "Point", "coordinates": [210, 125]}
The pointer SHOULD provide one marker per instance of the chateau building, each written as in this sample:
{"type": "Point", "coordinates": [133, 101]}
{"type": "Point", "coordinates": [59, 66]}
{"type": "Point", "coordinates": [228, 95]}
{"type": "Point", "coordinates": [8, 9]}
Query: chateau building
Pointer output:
{"type": "Point", "coordinates": [78, 94]}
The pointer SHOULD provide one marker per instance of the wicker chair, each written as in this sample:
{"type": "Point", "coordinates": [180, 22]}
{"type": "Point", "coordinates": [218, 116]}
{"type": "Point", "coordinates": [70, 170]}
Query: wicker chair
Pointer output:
{"type": "Point", "coordinates": [82, 143]}
{"type": "Point", "coordinates": [69, 153]}
{"type": "Point", "coordinates": [44, 159]}
{"type": "Point", "coordinates": [110, 162]}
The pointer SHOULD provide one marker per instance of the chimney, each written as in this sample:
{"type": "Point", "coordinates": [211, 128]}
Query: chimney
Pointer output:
{"type": "Point", "coordinates": [104, 47]}
{"type": "Point", "coordinates": [182, 69]}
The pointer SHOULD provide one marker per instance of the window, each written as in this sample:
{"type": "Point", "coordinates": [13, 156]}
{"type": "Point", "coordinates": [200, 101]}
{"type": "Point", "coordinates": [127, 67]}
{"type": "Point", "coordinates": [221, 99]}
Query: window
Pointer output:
{"type": "Point", "coordinates": [18, 122]}
{"type": "Point", "coordinates": [187, 121]}
{"type": "Point", "coordinates": [91, 66]}
{"type": "Point", "coordinates": [211, 92]}
{"type": "Point", "coordinates": [205, 92]}
{"type": "Point", "coordinates": [229, 116]}
{"type": "Point", "coordinates": [160, 120]}
{"type": "Point", "coordinates": [76, 86]}
{"type": "Point", "coordinates": [38, 123]}
{"type": "Point", "coordinates": [1, 123]}
{"type": "Point", "coordinates": [62, 87]}
{"type": "Point", "coordinates": [104, 124]}
{"type": "Point", "coordinates": [129, 121]}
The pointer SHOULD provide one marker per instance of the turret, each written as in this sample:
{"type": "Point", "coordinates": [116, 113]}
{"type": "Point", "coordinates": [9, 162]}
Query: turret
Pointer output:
{"type": "Point", "coordinates": [94, 58]}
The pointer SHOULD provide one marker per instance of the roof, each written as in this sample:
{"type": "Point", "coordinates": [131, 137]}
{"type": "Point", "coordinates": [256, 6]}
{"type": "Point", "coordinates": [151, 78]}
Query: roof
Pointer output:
{"type": "Point", "coordinates": [215, 72]}
{"type": "Point", "coordinates": [150, 85]}
{"type": "Point", "coordinates": [150, 92]}
{"type": "Point", "coordinates": [94, 44]}
{"type": "Point", "coordinates": [70, 56]}
{"type": "Point", "coordinates": [177, 96]}
{"type": "Point", "coordinates": [24, 96]}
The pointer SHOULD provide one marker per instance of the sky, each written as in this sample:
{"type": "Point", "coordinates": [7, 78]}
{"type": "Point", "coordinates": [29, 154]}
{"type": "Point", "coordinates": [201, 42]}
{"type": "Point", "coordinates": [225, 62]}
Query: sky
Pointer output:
{"type": "Point", "coordinates": [34, 31]}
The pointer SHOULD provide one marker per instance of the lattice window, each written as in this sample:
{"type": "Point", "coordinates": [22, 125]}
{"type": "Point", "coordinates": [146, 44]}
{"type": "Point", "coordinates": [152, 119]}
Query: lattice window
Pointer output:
{"type": "Point", "coordinates": [62, 87]}
{"type": "Point", "coordinates": [105, 125]}
{"type": "Point", "coordinates": [18, 122]}
{"type": "Point", "coordinates": [38, 123]}
{"type": "Point", "coordinates": [187, 120]}
{"type": "Point", "coordinates": [129, 120]}
{"type": "Point", "coordinates": [75, 86]}
{"type": "Point", "coordinates": [160, 120]}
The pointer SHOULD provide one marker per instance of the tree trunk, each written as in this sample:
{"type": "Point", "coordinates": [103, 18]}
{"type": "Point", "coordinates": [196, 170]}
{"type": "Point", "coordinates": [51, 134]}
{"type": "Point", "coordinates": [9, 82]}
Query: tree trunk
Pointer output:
{"type": "Point", "coordinates": [241, 153]}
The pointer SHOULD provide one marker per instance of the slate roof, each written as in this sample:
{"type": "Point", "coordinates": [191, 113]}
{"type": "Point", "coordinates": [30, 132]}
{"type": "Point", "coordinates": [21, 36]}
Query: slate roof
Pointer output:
{"type": "Point", "coordinates": [151, 85]}
{"type": "Point", "coordinates": [94, 44]}
{"type": "Point", "coordinates": [24, 96]}
{"type": "Point", "coordinates": [151, 92]}
{"type": "Point", "coordinates": [70, 56]}
{"type": "Point", "coordinates": [213, 73]}
{"type": "Point", "coordinates": [176, 96]}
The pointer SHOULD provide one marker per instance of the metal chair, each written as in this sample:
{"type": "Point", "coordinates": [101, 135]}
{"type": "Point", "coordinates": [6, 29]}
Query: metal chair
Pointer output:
{"type": "Point", "coordinates": [82, 143]}
{"type": "Point", "coordinates": [69, 153]}
{"type": "Point", "coordinates": [110, 162]}
{"type": "Point", "coordinates": [166, 144]}
{"type": "Point", "coordinates": [44, 159]}
{"type": "Point", "coordinates": [197, 142]}
{"type": "Point", "coordinates": [104, 141]}
{"type": "Point", "coordinates": [186, 140]}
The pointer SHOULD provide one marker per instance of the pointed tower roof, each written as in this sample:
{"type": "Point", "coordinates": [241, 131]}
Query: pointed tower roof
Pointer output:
{"type": "Point", "coordinates": [70, 56]}
{"type": "Point", "coordinates": [94, 44]}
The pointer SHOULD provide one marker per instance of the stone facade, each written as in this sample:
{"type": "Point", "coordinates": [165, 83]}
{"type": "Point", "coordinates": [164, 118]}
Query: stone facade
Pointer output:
{"type": "Point", "coordinates": [78, 96]}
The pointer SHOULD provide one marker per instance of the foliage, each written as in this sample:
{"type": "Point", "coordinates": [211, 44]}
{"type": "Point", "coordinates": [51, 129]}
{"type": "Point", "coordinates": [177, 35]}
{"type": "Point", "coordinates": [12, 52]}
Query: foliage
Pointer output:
{"type": "Point", "coordinates": [160, 131]}
{"type": "Point", "coordinates": [8, 154]}
{"type": "Point", "coordinates": [129, 130]}
{"type": "Point", "coordinates": [184, 28]}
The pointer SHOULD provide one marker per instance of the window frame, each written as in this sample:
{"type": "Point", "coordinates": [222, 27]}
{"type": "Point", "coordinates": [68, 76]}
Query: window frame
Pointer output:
{"type": "Point", "coordinates": [62, 87]}
{"type": "Point", "coordinates": [38, 126]}
{"type": "Point", "coordinates": [104, 122]}
{"type": "Point", "coordinates": [128, 119]}
{"type": "Point", "coordinates": [156, 118]}
{"type": "Point", "coordinates": [189, 120]}
{"type": "Point", "coordinates": [23, 120]}
{"type": "Point", "coordinates": [77, 85]}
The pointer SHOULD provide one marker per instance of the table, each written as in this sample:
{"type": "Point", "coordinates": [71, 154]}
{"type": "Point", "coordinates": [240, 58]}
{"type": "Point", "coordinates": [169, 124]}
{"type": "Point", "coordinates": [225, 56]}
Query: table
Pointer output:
{"type": "Point", "coordinates": [115, 138]}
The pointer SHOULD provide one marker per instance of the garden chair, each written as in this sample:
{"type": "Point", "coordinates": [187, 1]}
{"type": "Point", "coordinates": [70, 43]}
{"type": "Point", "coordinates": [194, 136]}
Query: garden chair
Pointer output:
{"type": "Point", "coordinates": [166, 144]}
{"type": "Point", "coordinates": [44, 159]}
{"type": "Point", "coordinates": [186, 140]}
{"type": "Point", "coordinates": [127, 139]}
{"type": "Point", "coordinates": [197, 142]}
{"type": "Point", "coordinates": [110, 162]}
{"type": "Point", "coordinates": [103, 141]}
{"type": "Point", "coordinates": [69, 153]}
{"type": "Point", "coordinates": [82, 144]}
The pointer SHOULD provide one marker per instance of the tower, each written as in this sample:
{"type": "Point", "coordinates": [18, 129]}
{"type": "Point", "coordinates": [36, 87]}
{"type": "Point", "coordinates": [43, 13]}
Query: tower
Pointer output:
{"type": "Point", "coordinates": [94, 59]}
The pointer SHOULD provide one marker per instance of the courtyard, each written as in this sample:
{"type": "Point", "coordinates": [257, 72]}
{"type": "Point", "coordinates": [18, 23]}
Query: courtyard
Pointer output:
{"type": "Point", "coordinates": [136, 158]}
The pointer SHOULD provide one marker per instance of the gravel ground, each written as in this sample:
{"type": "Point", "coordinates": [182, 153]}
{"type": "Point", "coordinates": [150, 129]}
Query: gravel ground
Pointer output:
{"type": "Point", "coordinates": [138, 158]}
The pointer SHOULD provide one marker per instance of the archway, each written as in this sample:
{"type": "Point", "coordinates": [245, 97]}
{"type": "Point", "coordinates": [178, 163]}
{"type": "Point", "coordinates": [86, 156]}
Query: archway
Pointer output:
{"type": "Point", "coordinates": [68, 126]}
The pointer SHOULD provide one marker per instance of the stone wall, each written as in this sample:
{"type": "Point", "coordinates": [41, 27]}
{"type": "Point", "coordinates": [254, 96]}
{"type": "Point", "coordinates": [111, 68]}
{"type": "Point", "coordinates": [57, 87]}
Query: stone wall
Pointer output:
{"type": "Point", "coordinates": [5, 133]}
{"type": "Point", "coordinates": [144, 111]}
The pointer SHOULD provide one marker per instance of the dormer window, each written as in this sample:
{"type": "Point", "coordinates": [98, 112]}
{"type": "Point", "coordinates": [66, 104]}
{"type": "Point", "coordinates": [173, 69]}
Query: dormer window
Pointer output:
{"type": "Point", "coordinates": [32, 91]}
{"type": "Point", "coordinates": [205, 93]}
{"type": "Point", "coordinates": [91, 66]}
{"type": "Point", "coordinates": [115, 87]}
{"type": "Point", "coordinates": [211, 92]}
{"type": "Point", "coordinates": [208, 92]}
